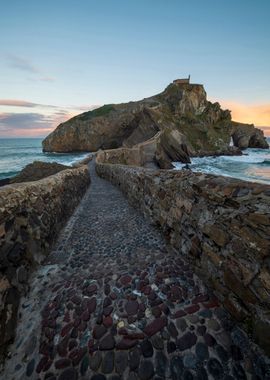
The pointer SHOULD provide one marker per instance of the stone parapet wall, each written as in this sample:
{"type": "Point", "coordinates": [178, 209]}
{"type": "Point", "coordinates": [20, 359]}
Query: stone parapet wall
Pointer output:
{"type": "Point", "coordinates": [221, 224]}
{"type": "Point", "coordinates": [31, 215]}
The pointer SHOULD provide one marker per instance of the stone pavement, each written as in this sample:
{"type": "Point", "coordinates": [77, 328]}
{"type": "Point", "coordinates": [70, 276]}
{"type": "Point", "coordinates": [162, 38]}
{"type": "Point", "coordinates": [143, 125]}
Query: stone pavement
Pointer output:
{"type": "Point", "coordinates": [114, 301]}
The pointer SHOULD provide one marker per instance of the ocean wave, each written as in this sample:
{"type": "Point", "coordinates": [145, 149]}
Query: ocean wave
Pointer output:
{"type": "Point", "coordinates": [266, 162]}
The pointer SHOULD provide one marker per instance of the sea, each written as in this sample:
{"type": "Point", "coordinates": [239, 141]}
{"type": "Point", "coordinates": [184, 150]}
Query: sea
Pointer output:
{"type": "Point", "coordinates": [253, 165]}
{"type": "Point", "coordinates": [16, 153]}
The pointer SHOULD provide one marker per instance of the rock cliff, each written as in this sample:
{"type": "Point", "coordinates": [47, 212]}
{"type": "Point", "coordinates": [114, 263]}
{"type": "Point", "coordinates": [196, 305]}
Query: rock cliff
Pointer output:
{"type": "Point", "coordinates": [38, 170]}
{"type": "Point", "coordinates": [182, 109]}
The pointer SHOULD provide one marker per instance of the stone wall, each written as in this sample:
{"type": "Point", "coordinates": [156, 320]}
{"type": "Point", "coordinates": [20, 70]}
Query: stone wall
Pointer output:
{"type": "Point", "coordinates": [31, 215]}
{"type": "Point", "coordinates": [221, 224]}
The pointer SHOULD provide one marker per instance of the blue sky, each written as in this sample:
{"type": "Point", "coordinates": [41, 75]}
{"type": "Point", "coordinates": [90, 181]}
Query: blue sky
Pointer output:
{"type": "Point", "coordinates": [59, 58]}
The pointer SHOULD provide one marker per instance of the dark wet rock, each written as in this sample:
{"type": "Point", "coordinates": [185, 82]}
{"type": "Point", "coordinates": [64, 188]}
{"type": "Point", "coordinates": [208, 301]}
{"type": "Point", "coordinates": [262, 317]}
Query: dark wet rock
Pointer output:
{"type": "Point", "coordinates": [95, 360]}
{"type": "Point", "coordinates": [157, 325]}
{"type": "Point", "coordinates": [206, 313]}
{"type": "Point", "coordinates": [238, 372]}
{"type": "Point", "coordinates": [171, 347]}
{"type": "Point", "coordinates": [108, 310]}
{"type": "Point", "coordinates": [202, 351]}
{"type": "Point", "coordinates": [157, 342]}
{"type": "Point", "coordinates": [132, 376]}
{"type": "Point", "coordinates": [212, 324]}
{"type": "Point", "coordinates": [74, 333]}
{"type": "Point", "coordinates": [156, 311]}
{"type": "Point", "coordinates": [68, 374]}
{"type": "Point", "coordinates": [76, 300]}
{"type": "Point", "coordinates": [108, 362]}
{"type": "Point", "coordinates": [201, 374]}
{"type": "Point", "coordinates": [85, 315]}
{"type": "Point", "coordinates": [77, 354]}
{"type": "Point", "coordinates": [62, 363]}
{"type": "Point", "coordinates": [99, 331]}
{"type": "Point", "coordinates": [172, 330]}
{"type": "Point", "coordinates": [186, 341]}
{"type": "Point", "coordinates": [134, 359]}
{"type": "Point", "coordinates": [126, 344]}
{"type": "Point", "coordinates": [201, 330]}
{"type": "Point", "coordinates": [192, 309]}
{"type": "Point", "coordinates": [147, 348]}
{"type": "Point", "coordinates": [62, 347]}
{"type": "Point", "coordinates": [98, 377]}
{"type": "Point", "coordinates": [107, 342]}
{"type": "Point", "coordinates": [121, 361]}
{"type": "Point", "coordinates": [31, 345]}
{"type": "Point", "coordinates": [30, 367]}
{"type": "Point", "coordinates": [125, 280]}
{"type": "Point", "coordinates": [107, 302]}
{"type": "Point", "coordinates": [236, 353]}
{"type": "Point", "coordinates": [222, 353]}
{"type": "Point", "coordinates": [107, 321]}
{"type": "Point", "coordinates": [131, 307]}
{"type": "Point", "coordinates": [181, 324]}
{"type": "Point", "coordinates": [187, 375]}
{"type": "Point", "coordinates": [176, 367]}
{"type": "Point", "coordinates": [84, 365]}
{"type": "Point", "coordinates": [190, 361]}
{"type": "Point", "coordinates": [240, 339]}
{"type": "Point", "coordinates": [146, 370]}
{"type": "Point", "coordinates": [161, 364]}
{"type": "Point", "coordinates": [209, 340]}
{"type": "Point", "coordinates": [215, 368]}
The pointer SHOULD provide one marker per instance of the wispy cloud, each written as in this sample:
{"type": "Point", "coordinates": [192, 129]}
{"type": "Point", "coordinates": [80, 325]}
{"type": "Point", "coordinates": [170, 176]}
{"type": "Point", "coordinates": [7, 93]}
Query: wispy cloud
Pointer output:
{"type": "Point", "coordinates": [23, 103]}
{"type": "Point", "coordinates": [34, 124]}
{"type": "Point", "coordinates": [26, 65]}
{"type": "Point", "coordinates": [17, 103]}
{"type": "Point", "coordinates": [23, 120]}
{"type": "Point", "coordinates": [30, 124]}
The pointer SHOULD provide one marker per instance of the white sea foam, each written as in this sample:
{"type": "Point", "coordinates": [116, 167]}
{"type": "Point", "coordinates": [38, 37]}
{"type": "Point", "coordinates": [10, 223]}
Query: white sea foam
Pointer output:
{"type": "Point", "coordinates": [253, 165]}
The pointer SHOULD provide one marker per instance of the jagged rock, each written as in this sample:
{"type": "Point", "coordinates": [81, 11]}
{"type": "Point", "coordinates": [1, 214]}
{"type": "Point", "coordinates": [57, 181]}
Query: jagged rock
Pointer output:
{"type": "Point", "coordinates": [38, 170]}
{"type": "Point", "coordinates": [247, 136]}
{"type": "Point", "coordinates": [172, 126]}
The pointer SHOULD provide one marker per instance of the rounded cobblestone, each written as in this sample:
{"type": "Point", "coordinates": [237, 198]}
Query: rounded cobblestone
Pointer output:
{"type": "Point", "coordinates": [122, 303]}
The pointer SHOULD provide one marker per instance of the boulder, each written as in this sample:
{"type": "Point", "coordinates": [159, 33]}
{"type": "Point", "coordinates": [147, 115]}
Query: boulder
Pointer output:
{"type": "Point", "coordinates": [38, 170]}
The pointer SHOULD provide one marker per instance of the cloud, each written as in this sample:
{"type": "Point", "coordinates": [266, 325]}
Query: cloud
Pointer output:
{"type": "Point", "coordinates": [23, 120]}
{"type": "Point", "coordinates": [23, 103]}
{"type": "Point", "coordinates": [22, 64]}
{"type": "Point", "coordinates": [26, 65]}
{"type": "Point", "coordinates": [17, 103]}
{"type": "Point", "coordinates": [30, 124]}
{"type": "Point", "coordinates": [34, 124]}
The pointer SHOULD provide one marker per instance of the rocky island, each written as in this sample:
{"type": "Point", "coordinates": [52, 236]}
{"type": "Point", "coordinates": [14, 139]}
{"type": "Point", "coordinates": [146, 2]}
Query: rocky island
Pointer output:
{"type": "Point", "coordinates": [174, 125]}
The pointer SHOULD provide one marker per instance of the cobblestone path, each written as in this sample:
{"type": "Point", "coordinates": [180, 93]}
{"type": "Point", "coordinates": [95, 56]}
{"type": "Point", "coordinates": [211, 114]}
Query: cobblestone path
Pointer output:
{"type": "Point", "coordinates": [113, 301]}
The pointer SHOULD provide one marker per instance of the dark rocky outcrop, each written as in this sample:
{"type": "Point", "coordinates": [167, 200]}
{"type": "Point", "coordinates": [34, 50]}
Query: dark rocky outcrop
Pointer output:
{"type": "Point", "coordinates": [182, 109]}
{"type": "Point", "coordinates": [247, 136]}
{"type": "Point", "coordinates": [38, 170]}
{"type": "Point", "coordinates": [4, 181]}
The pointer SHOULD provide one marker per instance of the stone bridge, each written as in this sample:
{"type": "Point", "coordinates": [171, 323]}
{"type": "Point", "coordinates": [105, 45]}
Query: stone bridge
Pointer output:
{"type": "Point", "coordinates": [116, 300]}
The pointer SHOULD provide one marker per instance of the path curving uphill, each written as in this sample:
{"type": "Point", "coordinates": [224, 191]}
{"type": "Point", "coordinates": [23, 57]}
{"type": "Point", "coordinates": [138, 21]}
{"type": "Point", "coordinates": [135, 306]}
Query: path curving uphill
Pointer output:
{"type": "Point", "coordinates": [114, 301]}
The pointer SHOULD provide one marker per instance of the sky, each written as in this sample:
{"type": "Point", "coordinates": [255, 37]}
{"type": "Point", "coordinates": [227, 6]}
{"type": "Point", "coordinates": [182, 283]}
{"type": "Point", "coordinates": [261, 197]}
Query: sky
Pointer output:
{"type": "Point", "coordinates": [62, 57]}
